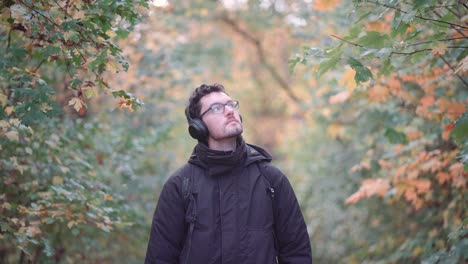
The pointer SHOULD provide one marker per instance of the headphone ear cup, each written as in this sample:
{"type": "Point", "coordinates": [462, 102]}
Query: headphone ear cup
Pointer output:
{"type": "Point", "coordinates": [197, 129]}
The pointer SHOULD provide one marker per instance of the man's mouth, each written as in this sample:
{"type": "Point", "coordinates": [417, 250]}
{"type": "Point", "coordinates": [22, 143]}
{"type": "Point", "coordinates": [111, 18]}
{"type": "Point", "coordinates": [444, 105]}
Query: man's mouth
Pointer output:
{"type": "Point", "coordinates": [230, 121]}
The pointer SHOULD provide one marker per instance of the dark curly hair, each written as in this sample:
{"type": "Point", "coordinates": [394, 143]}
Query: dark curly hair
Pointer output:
{"type": "Point", "coordinates": [194, 100]}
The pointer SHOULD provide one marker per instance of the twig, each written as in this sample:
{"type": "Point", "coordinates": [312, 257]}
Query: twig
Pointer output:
{"type": "Point", "coordinates": [38, 65]}
{"type": "Point", "coordinates": [261, 55]}
{"type": "Point", "coordinates": [393, 52]}
{"type": "Point", "coordinates": [37, 12]}
{"type": "Point", "coordinates": [453, 69]}
{"type": "Point", "coordinates": [457, 29]}
{"type": "Point", "coordinates": [429, 41]}
{"type": "Point", "coordinates": [349, 42]}
{"type": "Point", "coordinates": [419, 17]}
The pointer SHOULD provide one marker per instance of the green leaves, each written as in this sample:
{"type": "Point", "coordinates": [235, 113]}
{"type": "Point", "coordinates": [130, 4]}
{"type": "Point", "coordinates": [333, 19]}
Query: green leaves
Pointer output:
{"type": "Point", "coordinates": [374, 39]}
{"type": "Point", "coordinates": [395, 137]}
{"type": "Point", "coordinates": [363, 74]}
{"type": "Point", "coordinates": [460, 132]}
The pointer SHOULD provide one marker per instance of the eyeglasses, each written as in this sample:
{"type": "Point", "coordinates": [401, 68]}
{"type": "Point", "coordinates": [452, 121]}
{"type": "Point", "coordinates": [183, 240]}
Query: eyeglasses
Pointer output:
{"type": "Point", "coordinates": [218, 108]}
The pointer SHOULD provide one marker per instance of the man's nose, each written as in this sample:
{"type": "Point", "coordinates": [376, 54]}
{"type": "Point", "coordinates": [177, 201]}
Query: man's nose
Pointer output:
{"type": "Point", "coordinates": [228, 110]}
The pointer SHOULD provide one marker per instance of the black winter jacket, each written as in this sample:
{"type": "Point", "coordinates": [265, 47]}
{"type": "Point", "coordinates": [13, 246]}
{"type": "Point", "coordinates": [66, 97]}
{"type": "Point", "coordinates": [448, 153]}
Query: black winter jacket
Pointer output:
{"type": "Point", "coordinates": [236, 218]}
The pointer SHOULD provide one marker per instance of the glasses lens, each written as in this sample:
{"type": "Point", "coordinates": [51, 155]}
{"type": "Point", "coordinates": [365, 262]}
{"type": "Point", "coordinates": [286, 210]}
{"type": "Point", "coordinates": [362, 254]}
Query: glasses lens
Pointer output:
{"type": "Point", "coordinates": [217, 108]}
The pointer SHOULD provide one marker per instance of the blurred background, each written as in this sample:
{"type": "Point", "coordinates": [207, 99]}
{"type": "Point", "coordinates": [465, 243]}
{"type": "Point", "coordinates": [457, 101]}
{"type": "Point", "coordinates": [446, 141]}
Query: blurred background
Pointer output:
{"type": "Point", "coordinates": [362, 104]}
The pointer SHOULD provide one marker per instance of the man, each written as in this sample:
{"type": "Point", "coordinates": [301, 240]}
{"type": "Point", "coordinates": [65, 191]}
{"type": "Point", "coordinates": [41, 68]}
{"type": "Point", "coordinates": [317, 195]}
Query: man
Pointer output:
{"type": "Point", "coordinates": [228, 204]}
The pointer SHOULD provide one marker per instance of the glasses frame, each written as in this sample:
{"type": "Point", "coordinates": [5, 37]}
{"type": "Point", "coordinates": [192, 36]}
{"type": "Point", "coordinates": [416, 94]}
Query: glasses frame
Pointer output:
{"type": "Point", "coordinates": [233, 104]}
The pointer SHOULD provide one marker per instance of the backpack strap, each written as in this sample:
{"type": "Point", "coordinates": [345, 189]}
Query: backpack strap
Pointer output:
{"type": "Point", "coordinates": [271, 192]}
{"type": "Point", "coordinates": [189, 192]}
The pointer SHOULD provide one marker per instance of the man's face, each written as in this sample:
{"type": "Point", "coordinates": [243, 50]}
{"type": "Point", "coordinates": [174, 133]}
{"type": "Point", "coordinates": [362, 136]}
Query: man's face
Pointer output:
{"type": "Point", "coordinates": [224, 125]}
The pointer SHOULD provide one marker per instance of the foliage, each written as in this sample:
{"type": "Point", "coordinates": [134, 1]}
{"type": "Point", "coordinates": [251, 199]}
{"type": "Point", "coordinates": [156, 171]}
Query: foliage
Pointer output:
{"type": "Point", "coordinates": [55, 54]}
{"type": "Point", "coordinates": [409, 117]}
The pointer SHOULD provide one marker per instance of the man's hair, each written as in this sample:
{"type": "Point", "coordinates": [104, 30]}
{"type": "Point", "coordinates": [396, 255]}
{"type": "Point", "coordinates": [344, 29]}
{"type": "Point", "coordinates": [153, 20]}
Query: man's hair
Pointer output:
{"type": "Point", "coordinates": [202, 90]}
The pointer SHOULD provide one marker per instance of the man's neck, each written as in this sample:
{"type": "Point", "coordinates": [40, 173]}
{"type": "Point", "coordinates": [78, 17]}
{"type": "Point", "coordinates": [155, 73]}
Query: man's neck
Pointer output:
{"type": "Point", "coordinates": [228, 144]}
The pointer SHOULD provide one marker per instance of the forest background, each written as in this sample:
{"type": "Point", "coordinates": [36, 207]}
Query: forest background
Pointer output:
{"type": "Point", "coordinates": [362, 104]}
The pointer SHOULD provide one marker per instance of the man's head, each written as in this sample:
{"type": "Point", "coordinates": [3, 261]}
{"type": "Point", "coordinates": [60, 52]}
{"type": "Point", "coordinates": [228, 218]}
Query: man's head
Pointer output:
{"type": "Point", "coordinates": [213, 115]}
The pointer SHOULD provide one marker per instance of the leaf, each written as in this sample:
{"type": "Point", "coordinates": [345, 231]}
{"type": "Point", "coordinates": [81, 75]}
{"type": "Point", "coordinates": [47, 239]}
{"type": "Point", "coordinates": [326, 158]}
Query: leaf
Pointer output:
{"type": "Point", "coordinates": [363, 74]}
{"type": "Point", "coordinates": [369, 188]}
{"type": "Point", "coordinates": [77, 103]}
{"type": "Point", "coordinates": [460, 132]}
{"type": "Point", "coordinates": [374, 39]}
{"type": "Point", "coordinates": [3, 99]}
{"type": "Point", "coordinates": [326, 65]}
{"type": "Point", "coordinates": [395, 137]}
{"type": "Point", "coordinates": [12, 135]}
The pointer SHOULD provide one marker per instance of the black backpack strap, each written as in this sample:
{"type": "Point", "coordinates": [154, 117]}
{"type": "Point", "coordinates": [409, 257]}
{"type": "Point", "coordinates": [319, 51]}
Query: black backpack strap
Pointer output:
{"type": "Point", "coordinates": [190, 192]}
{"type": "Point", "coordinates": [271, 192]}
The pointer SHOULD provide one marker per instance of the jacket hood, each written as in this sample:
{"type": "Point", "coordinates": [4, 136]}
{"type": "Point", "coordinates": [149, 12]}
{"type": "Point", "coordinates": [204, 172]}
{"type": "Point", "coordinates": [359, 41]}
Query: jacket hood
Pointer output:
{"type": "Point", "coordinates": [245, 154]}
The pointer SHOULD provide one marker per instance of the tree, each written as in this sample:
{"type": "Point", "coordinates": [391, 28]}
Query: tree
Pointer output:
{"type": "Point", "coordinates": [407, 111]}
{"type": "Point", "coordinates": [54, 56]}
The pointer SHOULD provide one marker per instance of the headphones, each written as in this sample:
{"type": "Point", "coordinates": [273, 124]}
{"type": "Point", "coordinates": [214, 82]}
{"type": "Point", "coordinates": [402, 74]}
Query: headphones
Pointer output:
{"type": "Point", "coordinates": [197, 129]}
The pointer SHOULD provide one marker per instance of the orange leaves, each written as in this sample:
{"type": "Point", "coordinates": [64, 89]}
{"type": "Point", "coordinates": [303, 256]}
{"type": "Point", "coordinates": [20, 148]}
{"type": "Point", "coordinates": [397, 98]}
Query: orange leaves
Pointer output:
{"type": "Point", "coordinates": [452, 109]}
{"type": "Point", "coordinates": [413, 180]}
{"type": "Point", "coordinates": [369, 187]}
{"type": "Point", "coordinates": [325, 5]}
{"type": "Point", "coordinates": [457, 174]}
{"type": "Point", "coordinates": [378, 93]}
{"type": "Point", "coordinates": [412, 189]}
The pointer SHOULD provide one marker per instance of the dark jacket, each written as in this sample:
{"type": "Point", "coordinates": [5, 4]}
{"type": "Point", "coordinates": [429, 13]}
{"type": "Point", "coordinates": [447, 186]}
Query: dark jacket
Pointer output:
{"type": "Point", "coordinates": [236, 219]}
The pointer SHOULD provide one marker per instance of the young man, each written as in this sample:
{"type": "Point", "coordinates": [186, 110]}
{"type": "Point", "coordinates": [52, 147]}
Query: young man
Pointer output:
{"type": "Point", "coordinates": [228, 204]}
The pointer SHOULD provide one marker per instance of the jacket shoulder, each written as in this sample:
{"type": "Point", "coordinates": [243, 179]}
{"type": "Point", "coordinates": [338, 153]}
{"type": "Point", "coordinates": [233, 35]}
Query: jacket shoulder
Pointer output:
{"type": "Point", "coordinates": [273, 173]}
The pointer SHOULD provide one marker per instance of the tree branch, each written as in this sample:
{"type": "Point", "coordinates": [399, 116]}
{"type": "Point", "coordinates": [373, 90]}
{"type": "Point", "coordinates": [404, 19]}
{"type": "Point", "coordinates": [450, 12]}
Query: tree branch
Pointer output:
{"type": "Point", "coordinates": [261, 55]}
{"type": "Point", "coordinates": [453, 69]}
{"type": "Point", "coordinates": [456, 29]}
{"type": "Point", "coordinates": [420, 17]}
{"type": "Point", "coordinates": [424, 42]}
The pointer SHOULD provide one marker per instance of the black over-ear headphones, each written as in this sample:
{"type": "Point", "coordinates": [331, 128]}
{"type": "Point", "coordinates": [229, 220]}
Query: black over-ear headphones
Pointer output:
{"type": "Point", "coordinates": [197, 129]}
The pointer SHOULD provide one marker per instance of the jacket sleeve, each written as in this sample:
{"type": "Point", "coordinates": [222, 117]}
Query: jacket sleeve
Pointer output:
{"type": "Point", "coordinates": [291, 230]}
{"type": "Point", "coordinates": [168, 227]}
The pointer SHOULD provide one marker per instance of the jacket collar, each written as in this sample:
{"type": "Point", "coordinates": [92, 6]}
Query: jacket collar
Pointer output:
{"type": "Point", "coordinates": [221, 162]}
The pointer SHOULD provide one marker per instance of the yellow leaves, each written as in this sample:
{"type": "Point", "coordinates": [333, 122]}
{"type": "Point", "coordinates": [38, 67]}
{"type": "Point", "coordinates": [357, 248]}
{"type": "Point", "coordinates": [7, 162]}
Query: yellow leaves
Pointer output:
{"type": "Point", "coordinates": [77, 103]}
{"type": "Point", "coordinates": [6, 206]}
{"type": "Point", "coordinates": [339, 97]}
{"type": "Point", "coordinates": [369, 187]}
{"type": "Point", "coordinates": [3, 99]}
{"type": "Point", "coordinates": [347, 79]}
{"type": "Point", "coordinates": [325, 5]}
{"type": "Point", "coordinates": [57, 180]}
{"type": "Point", "coordinates": [45, 107]}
